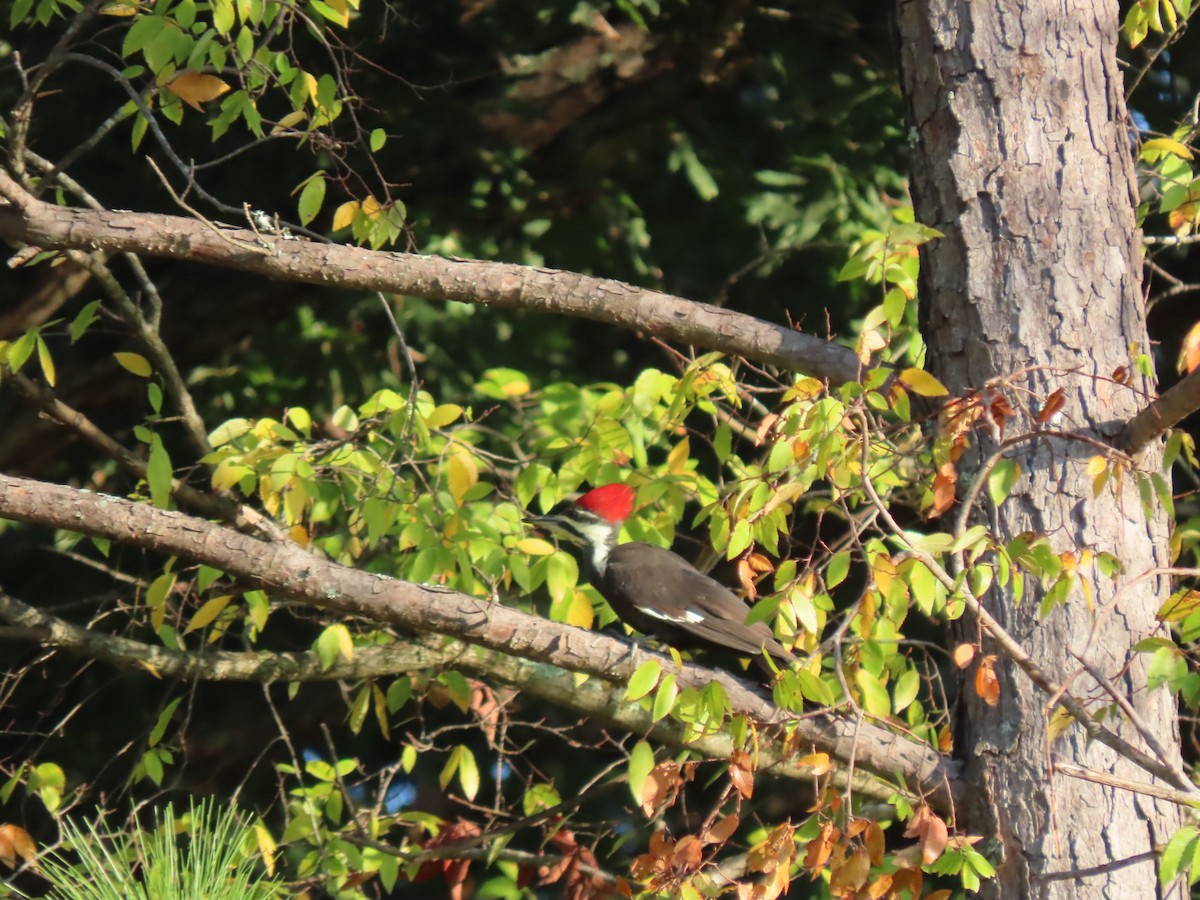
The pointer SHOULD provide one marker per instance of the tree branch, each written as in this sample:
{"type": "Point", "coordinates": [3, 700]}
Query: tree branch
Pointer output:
{"type": "Point", "coordinates": [501, 285]}
{"type": "Point", "coordinates": [1177, 402]}
{"type": "Point", "coordinates": [289, 570]}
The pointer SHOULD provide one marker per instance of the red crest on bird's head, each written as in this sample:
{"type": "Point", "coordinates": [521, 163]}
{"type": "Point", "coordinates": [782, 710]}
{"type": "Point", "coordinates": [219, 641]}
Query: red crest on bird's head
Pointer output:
{"type": "Point", "coordinates": [612, 502]}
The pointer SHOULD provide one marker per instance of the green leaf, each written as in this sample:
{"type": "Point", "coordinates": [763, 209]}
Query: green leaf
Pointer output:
{"type": "Point", "coordinates": [839, 567]}
{"type": "Point", "coordinates": [1181, 844]}
{"type": "Point", "coordinates": [164, 719]}
{"type": "Point", "coordinates": [664, 700]}
{"type": "Point", "coordinates": [908, 685]}
{"type": "Point", "coordinates": [814, 689]}
{"type": "Point", "coordinates": [378, 139]}
{"type": "Point", "coordinates": [360, 707]}
{"type": "Point", "coordinates": [21, 349]}
{"type": "Point", "coordinates": [311, 198]}
{"type": "Point", "coordinates": [1001, 480]}
{"type": "Point", "coordinates": [875, 697]}
{"type": "Point", "coordinates": [333, 640]}
{"type": "Point", "coordinates": [641, 761]}
{"type": "Point", "coordinates": [399, 692]}
{"type": "Point", "coordinates": [84, 319]}
{"type": "Point", "coordinates": [643, 680]}
{"type": "Point", "coordinates": [159, 474]}
{"type": "Point", "coordinates": [468, 773]}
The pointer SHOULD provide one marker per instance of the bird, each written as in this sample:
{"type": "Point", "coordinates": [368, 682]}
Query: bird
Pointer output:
{"type": "Point", "coordinates": [651, 588]}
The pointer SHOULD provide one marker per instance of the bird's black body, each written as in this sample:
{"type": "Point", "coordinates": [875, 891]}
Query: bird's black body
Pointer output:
{"type": "Point", "coordinates": [653, 589]}
{"type": "Point", "coordinates": [696, 612]}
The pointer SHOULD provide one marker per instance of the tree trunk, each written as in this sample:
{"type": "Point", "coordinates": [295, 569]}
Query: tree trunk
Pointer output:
{"type": "Point", "coordinates": [1022, 160]}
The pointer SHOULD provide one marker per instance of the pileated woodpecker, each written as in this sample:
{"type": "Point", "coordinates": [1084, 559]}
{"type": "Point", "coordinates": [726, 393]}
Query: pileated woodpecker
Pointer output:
{"type": "Point", "coordinates": [652, 589]}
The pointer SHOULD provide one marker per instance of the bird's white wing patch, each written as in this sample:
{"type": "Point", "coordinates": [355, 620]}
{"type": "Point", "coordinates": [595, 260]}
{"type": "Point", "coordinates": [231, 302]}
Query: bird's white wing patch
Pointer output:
{"type": "Point", "coordinates": [690, 616]}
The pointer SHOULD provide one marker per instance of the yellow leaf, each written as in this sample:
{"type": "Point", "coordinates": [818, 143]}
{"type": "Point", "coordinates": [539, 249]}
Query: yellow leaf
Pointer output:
{"type": "Point", "coordinates": [580, 611]}
{"type": "Point", "coordinates": [1060, 720]}
{"type": "Point", "coordinates": [443, 415]}
{"type": "Point", "coordinates": [194, 88]}
{"type": "Point", "coordinates": [461, 474]}
{"type": "Point", "coordinates": [298, 534]}
{"type": "Point", "coordinates": [312, 87]}
{"type": "Point", "coordinates": [120, 8]}
{"type": "Point", "coordinates": [371, 208]}
{"type": "Point", "coordinates": [1158, 146]}
{"type": "Point", "coordinates": [266, 847]}
{"type": "Point", "coordinates": [343, 10]}
{"type": "Point", "coordinates": [207, 613]}
{"type": "Point", "coordinates": [345, 642]}
{"type": "Point", "coordinates": [921, 382]}
{"type": "Point", "coordinates": [290, 120]}
{"type": "Point", "coordinates": [535, 546]}
{"type": "Point", "coordinates": [135, 363]}
{"type": "Point", "coordinates": [678, 457]}
{"type": "Point", "coordinates": [344, 214]}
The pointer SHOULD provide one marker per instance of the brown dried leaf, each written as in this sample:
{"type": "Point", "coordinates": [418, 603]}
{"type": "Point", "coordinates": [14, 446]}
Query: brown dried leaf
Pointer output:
{"type": "Point", "coordinates": [963, 654]}
{"type": "Point", "coordinates": [764, 428]}
{"type": "Point", "coordinates": [661, 787]}
{"type": "Point", "coordinates": [874, 842]}
{"type": "Point", "coordinates": [722, 830]}
{"type": "Point", "coordinates": [741, 773]}
{"type": "Point", "coordinates": [987, 685]}
{"type": "Point", "coordinates": [774, 851]}
{"type": "Point", "coordinates": [931, 834]}
{"type": "Point", "coordinates": [746, 580]}
{"type": "Point", "coordinates": [16, 844]}
{"type": "Point", "coordinates": [851, 875]}
{"type": "Point", "coordinates": [1053, 405]}
{"type": "Point", "coordinates": [688, 853]}
{"type": "Point", "coordinates": [820, 847]}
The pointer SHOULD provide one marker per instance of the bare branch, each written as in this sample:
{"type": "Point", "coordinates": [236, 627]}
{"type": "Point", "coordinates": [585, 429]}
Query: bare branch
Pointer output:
{"type": "Point", "coordinates": [501, 285]}
{"type": "Point", "coordinates": [1176, 403]}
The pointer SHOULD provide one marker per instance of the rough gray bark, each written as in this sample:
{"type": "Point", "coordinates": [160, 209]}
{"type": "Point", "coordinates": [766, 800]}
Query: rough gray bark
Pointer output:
{"type": "Point", "coordinates": [1022, 160]}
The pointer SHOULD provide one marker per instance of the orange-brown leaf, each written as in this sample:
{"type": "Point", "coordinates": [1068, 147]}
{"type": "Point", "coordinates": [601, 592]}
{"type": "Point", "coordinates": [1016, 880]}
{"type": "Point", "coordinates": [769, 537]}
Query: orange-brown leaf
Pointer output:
{"type": "Point", "coordinates": [820, 847]}
{"type": "Point", "coordinates": [661, 787]}
{"type": "Point", "coordinates": [741, 773]}
{"type": "Point", "coordinates": [963, 654]}
{"type": "Point", "coordinates": [987, 685]}
{"type": "Point", "coordinates": [873, 840]}
{"type": "Point", "coordinates": [722, 830]}
{"type": "Point", "coordinates": [764, 428]}
{"type": "Point", "coordinates": [819, 762]}
{"type": "Point", "coordinates": [851, 875]}
{"type": "Point", "coordinates": [1053, 405]}
{"type": "Point", "coordinates": [943, 488]}
{"type": "Point", "coordinates": [16, 844]}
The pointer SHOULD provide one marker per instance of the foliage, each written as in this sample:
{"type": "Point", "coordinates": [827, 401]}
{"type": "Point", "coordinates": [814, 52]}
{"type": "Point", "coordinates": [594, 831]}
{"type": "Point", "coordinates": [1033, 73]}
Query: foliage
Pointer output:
{"type": "Point", "coordinates": [829, 505]}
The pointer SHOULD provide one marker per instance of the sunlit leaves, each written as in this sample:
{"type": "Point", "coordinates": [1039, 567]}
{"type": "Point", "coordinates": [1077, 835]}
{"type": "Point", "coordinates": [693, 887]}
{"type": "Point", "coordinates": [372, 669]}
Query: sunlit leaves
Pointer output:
{"type": "Point", "coordinates": [334, 641]}
{"type": "Point", "coordinates": [641, 761]}
{"type": "Point", "coordinates": [461, 762]}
